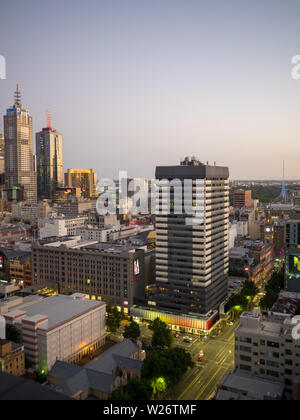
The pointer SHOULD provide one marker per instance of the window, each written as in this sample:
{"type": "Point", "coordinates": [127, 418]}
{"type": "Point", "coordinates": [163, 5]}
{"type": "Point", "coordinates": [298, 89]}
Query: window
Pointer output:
{"type": "Point", "coordinates": [244, 367]}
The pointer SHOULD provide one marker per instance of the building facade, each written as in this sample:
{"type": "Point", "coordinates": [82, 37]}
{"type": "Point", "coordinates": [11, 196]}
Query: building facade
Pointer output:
{"type": "Point", "coordinates": [20, 271]}
{"type": "Point", "coordinates": [192, 251]}
{"type": "Point", "coordinates": [264, 347]}
{"type": "Point", "coordinates": [108, 272]}
{"type": "Point", "coordinates": [60, 226]}
{"type": "Point", "coordinates": [292, 271]}
{"type": "Point", "coordinates": [12, 358]}
{"type": "Point", "coordinates": [60, 327]}
{"type": "Point", "coordinates": [242, 198]}
{"type": "Point", "coordinates": [19, 173]}
{"type": "Point", "coordinates": [85, 179]}
{"type": "Point", "coordinates": [2, 154]}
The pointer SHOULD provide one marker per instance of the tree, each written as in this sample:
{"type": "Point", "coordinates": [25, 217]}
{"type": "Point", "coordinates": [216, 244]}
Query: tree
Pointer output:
{"type": "Point", "coordinates": [138, 390]}
{"type": "Point", "coordinates": [272, 289]}
{"type": "Point", "coordinates": [132, 331]}
{"type": "Point", "coordinates": [114, 318]}
{"type": "Point", "coordinates": [13, 334]}
{"type": "Point", "coordinates": [170, 365]}
{"type": "Point", "coordinates": [162, 335]}
{"type": "Point", "coordinates": [249, 288]}
{"type": "Point", "coordinates": [159, 386]}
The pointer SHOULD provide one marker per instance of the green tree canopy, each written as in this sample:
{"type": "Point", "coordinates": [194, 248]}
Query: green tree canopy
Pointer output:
{"type": "Point", "coordinates": [162, 335]}
{"type": "Point", "coordinates": [114, 318]}
{"type": "Point", "coordinates": [132, 331]}
{"type": "Point", "coordinates": [249, 288]}
{"type": "Point", "coordinates": [135, 390]}
{"type": "Point", "coordinates": [168, 364]}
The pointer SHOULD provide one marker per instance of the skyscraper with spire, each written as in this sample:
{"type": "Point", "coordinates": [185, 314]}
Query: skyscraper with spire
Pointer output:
{"type": "Point", "coordinates": [49, 160]}
{"type": "Point", "coordinates": [19, 173]}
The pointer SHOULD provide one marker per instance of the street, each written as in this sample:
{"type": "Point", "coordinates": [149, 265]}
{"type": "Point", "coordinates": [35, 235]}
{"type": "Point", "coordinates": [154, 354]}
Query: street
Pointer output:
{"type": "Point", "coordinates": [201, 382]}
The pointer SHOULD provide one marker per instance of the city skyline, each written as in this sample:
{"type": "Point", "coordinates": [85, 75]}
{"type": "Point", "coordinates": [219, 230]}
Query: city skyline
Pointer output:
{"type": "Point", "coordinates": [160, 81]}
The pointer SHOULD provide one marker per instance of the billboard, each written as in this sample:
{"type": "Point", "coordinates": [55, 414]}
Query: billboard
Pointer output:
{"type": "Point", "coordinates": [136, 267]}
{"type": "Point", "coordinates": [294, 264]}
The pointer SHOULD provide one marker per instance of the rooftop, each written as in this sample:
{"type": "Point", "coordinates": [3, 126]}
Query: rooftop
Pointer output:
{"type": "Point", "coordinates": [17, 388]}
{"type": "Point", "coordinates": [98, 373]}
{"type": "Point", "coordinates": [59, 309]}
{"type": "Point", "coordinates": [115, 356]}
{"type": "Point", "coordinates": [252, 387]}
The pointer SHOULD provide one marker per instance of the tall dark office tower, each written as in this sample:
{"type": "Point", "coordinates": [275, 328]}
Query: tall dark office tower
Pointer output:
{"type": "Point", "coordinates": [2, 154]}
{"type": "Point", "coordinates": [19, 172]}
{"type": "Point", "coordinates": [49, 161]}
{"type": "Point", "coordinates": [192, 252]}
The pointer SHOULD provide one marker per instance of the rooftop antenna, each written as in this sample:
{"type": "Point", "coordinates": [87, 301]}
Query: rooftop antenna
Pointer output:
{"type": "Point", "coordinates": [17, 96]}
{"type": "Point", "coordinates": [48, 118]}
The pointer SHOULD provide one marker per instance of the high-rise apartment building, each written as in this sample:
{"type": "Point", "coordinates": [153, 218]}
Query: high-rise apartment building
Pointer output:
{"type": "Point", "coordinates": [192, 251]}
{"type": "Point", "coordinates": [19, 173]}
{"type": "Point", "coordinates": [242, 198]}
{"type": "Point", "coordinates": [85, 179]}
{"type": "Point", "coordinates": [49, 161]}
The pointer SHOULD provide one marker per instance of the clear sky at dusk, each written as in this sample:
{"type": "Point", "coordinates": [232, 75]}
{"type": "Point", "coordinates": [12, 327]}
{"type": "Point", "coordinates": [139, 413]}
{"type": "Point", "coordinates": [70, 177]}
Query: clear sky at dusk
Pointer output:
{"type": "Point", "coordinates": [137, 83]}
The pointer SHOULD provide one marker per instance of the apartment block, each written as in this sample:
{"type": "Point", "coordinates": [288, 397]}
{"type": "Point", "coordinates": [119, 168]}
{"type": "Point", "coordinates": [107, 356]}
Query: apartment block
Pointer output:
{"type": "Point", "coordinates": [264, 347]}
{"type": "Point", "coordinates": [192, 242]}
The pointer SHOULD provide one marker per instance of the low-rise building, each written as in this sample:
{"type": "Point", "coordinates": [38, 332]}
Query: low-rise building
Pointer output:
{"type": "Point", "coordinates": [60, 226]}
{"type": "Point", "coordinates": [105, 234]}
{"type": "Point", "coordinates": [14, 388]}
{"type": "Point", "coordinates": [242, 387]}
{"type": "Point", "coordinates": [12, 358]}
{"type": "Point", "coordinates": [59, 327]}
{"type": "Point", "coordinates": [75, 206]}
{"type": "Point", "coordinates": [15, 266]}
{"type": "Point", "coordinates": [13, 232]}
{"type": "Point", "coordinates": [20, 270]}
{"type": "Point", "coordinates": [102, 376]}
{"type": "Point", "coordinates": [24, 211]}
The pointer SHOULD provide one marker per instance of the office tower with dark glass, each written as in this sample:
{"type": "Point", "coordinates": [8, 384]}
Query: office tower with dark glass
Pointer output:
{"type": "Point", "coordinates": [49, 161]}
{"type": "Point", "coordinates": [192, 252]}
{"type": "Point", "coordinates": [19, 173]}
{"type": "Point", "coordinates": [2, 155]}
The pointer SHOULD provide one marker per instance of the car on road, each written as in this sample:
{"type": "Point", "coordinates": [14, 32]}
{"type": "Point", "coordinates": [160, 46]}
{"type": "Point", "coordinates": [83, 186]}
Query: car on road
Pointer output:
{"type": "Point", "coordinates": [187, 340]}
{"type": "Point", "coordinates": [200, 356]}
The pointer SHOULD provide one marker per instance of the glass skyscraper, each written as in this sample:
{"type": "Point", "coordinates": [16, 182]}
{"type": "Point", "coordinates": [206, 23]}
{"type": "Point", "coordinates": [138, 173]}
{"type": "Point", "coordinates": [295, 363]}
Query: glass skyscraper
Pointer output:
{"type": "Point", "coordinates": [19, 173]}
{"type": "Point", "coordinates": [49, 161]}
